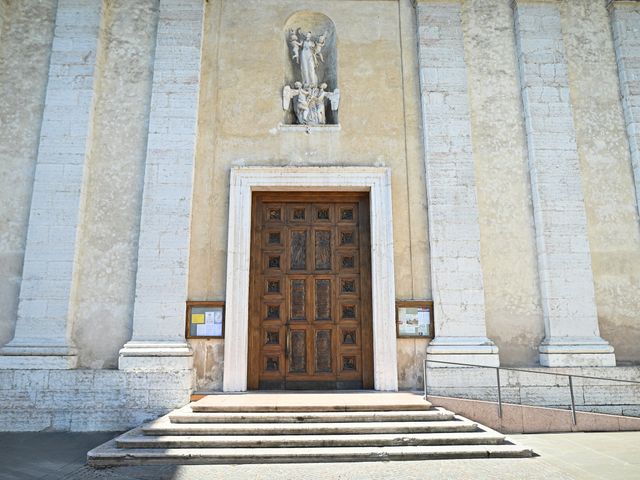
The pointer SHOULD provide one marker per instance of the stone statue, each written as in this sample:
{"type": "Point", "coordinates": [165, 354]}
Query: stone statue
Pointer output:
{"type": "Point", "coordinates": [309, 106]}
{"type": "Point", "coordinates": [308, 57]}
{"type": "Point", "coordinates": [311, 96]}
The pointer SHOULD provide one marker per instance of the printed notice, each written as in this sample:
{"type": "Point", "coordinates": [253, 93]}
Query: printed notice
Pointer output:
{"type": "Point", "coordinates": [197, 318]}
{"type": "Point", "coordinates": [424, 321]}
{"type": "Point", "coordinates": [205, 330]}
{"type": "Point", "coordinates": [214, 317]}
{"type": "Point", "coordinates": [217, 329]}
{"type": "Point", "coordinates": [413, 322]}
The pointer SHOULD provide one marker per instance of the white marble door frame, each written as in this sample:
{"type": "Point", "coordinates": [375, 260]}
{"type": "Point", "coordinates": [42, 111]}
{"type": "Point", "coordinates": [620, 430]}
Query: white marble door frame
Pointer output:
{"type": "Point", "coordinates": [245, 180]}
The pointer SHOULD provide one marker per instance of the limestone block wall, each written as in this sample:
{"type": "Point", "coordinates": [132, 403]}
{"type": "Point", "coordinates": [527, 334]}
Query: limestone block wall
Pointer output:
{"type": "Point", "coordinates": [615, 236]}
{"type": "Point", "coordinates": [625, 22]}
{"type": "Point", "coordinates": [26, 33]}
{"type": "Point", "coordinates": [507, 237]}
{"type": "Point", "coordinates": [108, 238]}
{"type": "Point", "coordinates": [239, 110]}
{"type": "Point", "coordinates": [86, 400]}
{"type": "Point", "coordinates": [604, 396]}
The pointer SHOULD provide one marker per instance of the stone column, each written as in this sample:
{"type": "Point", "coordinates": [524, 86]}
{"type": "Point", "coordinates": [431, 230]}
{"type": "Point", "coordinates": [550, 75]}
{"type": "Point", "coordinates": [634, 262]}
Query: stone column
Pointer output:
{"type": "Point", "coordinates": [158, 341]}
{"type": "Point", "coordinates": [625, 23]}
{"type": "Point", "coordinates": [43, 328]}
{"type": "Point", "coordinates": [454, 231]}
{"type": "Point", "coordinates": [564, 258]}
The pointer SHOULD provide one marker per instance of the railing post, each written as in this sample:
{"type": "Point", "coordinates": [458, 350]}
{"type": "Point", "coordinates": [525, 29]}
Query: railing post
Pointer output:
{"type": "Point", "coordinates": [499, 393]}
{"type": "Point", "coordinates": [573, 401]}
{"type": "Point", "coordinates": [424, 377]}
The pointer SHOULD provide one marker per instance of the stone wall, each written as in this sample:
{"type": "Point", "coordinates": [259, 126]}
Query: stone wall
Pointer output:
{"type": "Point", "coordinates": [605, 163]}
{"type": "Point", "coordinates": [603, 396]}
{"type": "Point", "coordinates": [88, 400]}
{"type": "Point", "coordinates": [26, 33]}
{"type": "Point", "coordinates": [109, 229]}
{"type": "Point", "coordinates": [507, 236]}
{"type": "Point", "coordinates": [473, 112]}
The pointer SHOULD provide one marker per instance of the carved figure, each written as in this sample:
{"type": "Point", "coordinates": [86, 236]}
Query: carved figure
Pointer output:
{"type": "Point", "coordinates": [302, 104]}
{"type": "Point", "coordinates": [307, 59]}
{"type": "Point", "coordinates": [310, 104]}
{"type": "Point", "coordinates": [295, 46]}
{"type": "Point", "coordinates": [310, 96]}
{"type": "Point", "coordinates": [317, 49]}
{"type": "Point", "coordinates": [317, 112]}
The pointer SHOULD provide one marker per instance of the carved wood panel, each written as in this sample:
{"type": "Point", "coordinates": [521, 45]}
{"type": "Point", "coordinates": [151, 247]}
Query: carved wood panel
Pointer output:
{"type": "Point", "coordinates": [310, 291]}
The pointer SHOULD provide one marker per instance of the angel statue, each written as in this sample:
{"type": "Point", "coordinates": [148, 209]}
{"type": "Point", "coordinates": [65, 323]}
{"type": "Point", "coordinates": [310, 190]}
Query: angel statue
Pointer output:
{"type": "Point", "coordinates": [309, 105]}
{"type": "Point", "coordinates": [306, 52]}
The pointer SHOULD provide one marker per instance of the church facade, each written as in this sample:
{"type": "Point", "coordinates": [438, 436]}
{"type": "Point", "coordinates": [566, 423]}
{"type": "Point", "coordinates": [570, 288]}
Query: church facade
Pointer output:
{"type": "Point", "coordinates": [230, 195]}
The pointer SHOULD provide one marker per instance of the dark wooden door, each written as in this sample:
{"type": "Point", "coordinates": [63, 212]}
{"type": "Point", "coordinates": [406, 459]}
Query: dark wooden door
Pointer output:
{"type": "Point", "coordinates": [310, 292]}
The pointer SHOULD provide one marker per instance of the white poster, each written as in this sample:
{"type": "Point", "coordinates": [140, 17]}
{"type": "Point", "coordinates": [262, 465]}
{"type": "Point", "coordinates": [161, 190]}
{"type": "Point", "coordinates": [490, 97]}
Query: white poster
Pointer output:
{"type": "Point", "coordinates": [205, 330]}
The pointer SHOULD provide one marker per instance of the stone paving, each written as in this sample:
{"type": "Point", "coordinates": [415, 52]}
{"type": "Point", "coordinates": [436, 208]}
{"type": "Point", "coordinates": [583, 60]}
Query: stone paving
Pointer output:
{"type": "Point", "coordinates": [579, 456]}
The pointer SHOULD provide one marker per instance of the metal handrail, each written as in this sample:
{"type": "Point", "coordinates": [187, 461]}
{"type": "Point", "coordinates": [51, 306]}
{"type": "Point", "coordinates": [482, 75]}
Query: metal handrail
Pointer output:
{"type": "Point", "coordinates": [571, 376]}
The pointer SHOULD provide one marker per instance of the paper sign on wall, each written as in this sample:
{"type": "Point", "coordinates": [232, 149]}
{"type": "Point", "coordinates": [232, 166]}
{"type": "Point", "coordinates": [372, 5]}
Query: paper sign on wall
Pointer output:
{"type": "Point", "coordinates": [205, 320]}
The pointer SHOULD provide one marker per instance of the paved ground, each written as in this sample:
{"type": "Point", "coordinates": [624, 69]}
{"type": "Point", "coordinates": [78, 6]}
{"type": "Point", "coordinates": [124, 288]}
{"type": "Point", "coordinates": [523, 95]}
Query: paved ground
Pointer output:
{"type": "Point", "coordinates": [579, 456]}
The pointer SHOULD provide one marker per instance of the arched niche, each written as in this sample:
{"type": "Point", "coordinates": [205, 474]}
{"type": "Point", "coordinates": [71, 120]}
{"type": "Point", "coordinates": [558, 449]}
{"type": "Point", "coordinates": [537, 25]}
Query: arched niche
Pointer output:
{"type": "Point", "coordinates": [318, 24]}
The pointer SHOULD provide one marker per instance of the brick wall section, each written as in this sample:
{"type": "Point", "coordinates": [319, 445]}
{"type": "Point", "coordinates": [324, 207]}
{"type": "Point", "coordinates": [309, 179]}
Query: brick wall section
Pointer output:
{"type": "Point", "coordinates": [163, 255]}
{"type": "Point", "coordinates": [87, 400]}
{"type": "Point", "coordinates": [564, 259]}
{"type": "Point", "coordinates": [50, 248]}
{"type": "Point", "coordinates": [625, 23]}
{"type": "Point", "coordinates": [454, 232]}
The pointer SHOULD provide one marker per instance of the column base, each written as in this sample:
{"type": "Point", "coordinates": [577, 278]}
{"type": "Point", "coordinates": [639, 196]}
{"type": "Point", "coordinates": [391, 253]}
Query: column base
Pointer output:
{"type": "Point", "coordinates": [576, 352]}
{"type": "Point", "coordinates": [155, 356]}
{"type": "Point", "coordinates": [465, 350]}
{"type": "Point", "coordinates": [38, 357]}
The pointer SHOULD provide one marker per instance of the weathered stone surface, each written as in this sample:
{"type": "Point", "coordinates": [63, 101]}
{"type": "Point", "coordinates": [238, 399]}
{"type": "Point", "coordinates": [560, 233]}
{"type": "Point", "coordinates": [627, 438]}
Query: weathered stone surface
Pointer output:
{"type": "Point", "coordinates": [26, 31]}
{"type": "Point", "coordinates": [87, 400]}
{"type": "Point", "coordinates": [108, 237]}
{"type": "Point", "coordinates": [564, 259]}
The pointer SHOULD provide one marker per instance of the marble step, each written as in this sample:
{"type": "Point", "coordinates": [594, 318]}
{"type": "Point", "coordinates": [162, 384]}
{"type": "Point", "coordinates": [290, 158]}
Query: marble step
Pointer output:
{"type": "Point", "coordinates": [311, 402]}
{"type": "Point", "coordinates": [164, 427]}
{"type": "Point", "coordinates": [186, 415]}
{"type": "Point", "coordinates": [110, 455]}
{"type": "Point", "coordinates": [136, 439]}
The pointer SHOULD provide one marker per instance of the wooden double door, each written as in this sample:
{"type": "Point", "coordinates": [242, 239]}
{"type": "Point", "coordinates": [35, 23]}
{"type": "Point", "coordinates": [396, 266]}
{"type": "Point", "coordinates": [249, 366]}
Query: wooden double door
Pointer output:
{"type": "Point", "coordinates": [310, 292]}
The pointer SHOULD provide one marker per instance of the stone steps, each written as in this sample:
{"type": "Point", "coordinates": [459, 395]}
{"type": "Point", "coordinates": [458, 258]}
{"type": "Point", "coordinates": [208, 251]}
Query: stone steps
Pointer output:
{"type": "Point", "coordinates": [311, 402]}
{"type": "Point", "coordinates": [186, 415]}
{"type": "Point", "coordinates": [206, 456]}
{"type": "Point", "coordinates": [165, 427]}
{"type": "Point", "coordinates": [137, 439]}
{"type": "Point", "coordinates": [277, 429]}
